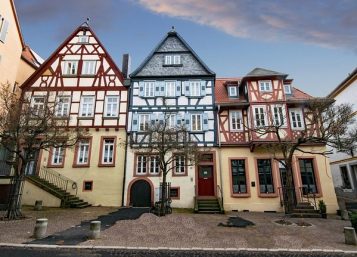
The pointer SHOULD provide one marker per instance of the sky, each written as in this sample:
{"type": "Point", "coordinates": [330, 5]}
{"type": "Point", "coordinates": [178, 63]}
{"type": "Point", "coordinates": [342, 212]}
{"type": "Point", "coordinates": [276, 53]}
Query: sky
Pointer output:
{"type": "Point", "coordinates": [314, 41]}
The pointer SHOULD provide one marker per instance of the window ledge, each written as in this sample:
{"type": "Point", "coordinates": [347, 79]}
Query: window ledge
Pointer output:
{"type": "Point", "coordinates": [240, 195]}
{"type": "Point", "coordinates": [69, 75]}
{"type": "Point", "coordinates": [268, 195]}
{"type": "Point", "coordinates": [106, 165]}
{"type": "Point", "coordinates": [172, 65]}
{"type": "Point", "coordinates": [61, 118]}
{"type": "Point", "coordinates": [110, 118]}
{"type": "Point", "coordinates": [55, 166]}
{"type": "Point", "coordinates": [87, 75]}
{"type": "Point", "coordinates": [80, 166]}
{"type": "Point", "coordinates": [85, 118]}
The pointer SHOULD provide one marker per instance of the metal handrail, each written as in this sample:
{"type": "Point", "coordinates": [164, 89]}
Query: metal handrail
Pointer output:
{"type": "Point", "coordinates": [308, 196]}
{"type": "Point", "coordinates": [57, 179]}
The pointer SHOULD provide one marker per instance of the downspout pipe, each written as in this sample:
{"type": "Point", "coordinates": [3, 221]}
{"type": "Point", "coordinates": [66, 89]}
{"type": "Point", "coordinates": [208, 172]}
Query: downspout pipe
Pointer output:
{"type": "Point", "coordinates": [220, 155]}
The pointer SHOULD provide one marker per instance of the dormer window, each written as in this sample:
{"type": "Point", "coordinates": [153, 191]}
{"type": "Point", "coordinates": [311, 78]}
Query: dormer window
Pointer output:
{"type": "Point", "coordinates": [265, 86]}
{"type": "Point", "coordinates": [287, 89]}
{"type": "Point", "coordinates": [83, 39]}
{"type": "Point", "coordinates": [232, 91]}
{"type": "Point", "coordinates": [172, 59]}
{"type": "Point", "coordinates": [168, 60]}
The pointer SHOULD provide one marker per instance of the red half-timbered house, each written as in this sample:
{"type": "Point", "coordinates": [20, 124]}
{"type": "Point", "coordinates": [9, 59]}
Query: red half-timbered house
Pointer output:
{"type": "Point", "coordinates": [88, 89]}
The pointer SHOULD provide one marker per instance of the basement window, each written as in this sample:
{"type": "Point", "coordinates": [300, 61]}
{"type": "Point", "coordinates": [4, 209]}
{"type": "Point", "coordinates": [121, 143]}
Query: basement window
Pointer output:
{"type": "Point", "coordinates": [87, 185]}
{"type": "Point", "coordinates": [175, 193]}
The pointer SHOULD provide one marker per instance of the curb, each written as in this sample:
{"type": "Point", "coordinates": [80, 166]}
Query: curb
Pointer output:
{"type": "Point", "coordinates": [172, 248]}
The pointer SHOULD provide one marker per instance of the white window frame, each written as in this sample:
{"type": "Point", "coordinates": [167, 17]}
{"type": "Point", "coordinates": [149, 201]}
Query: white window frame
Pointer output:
{"type": "Point", "coordinates": [108, 151]}
{"type": "Point", "coordinates": [287, 89]}
{"type": "Point", "coordinates": [281, 116]}
{"type": "Point", "coordinates": [83, 39]}
{"type": "Point", "coordinates": [177, 59]}
{"type": "Point", "coordinates": [171, 120]}
{"type": "Point", "coordinates": [111, 107]}
{"type": "Point", "coordinates": [154, 165]}
{"type": "Point", "coordinates": [141, 164]}
{"type": "Point", "coordinates": [236, 120]}
{"type": "Point", "coordinates": [170, 88]}
{"type": "Point", "coordinates": [37, 107]}
{"type": "Point", "coordinates": [265, 86]}
{"type": "Point", "coordinates": [63, 107]}
{"type": "Point", "coordinates": [195, 88]}
{"type": "Point", "coordinates": [196, 122]}
{"type": "Point", "coordinates": [89, 67]}
{"type": "Point", "coordinates": [232, 91]}
{"type": "Point", "coordinates": [83, 152]}
{"type": "Point", "coordinates": [180, 164]}
{"type": "Point", "coordinates": [149, 88]}
{"type": "Point", "coordinates": [87, 108]}
{"type": "Point", "coordinates": [70, 67]}
{"type": "Point", "coordinates": [144, 120]}
{"type": "Point", "coordinates": [57, 156]}
{"type": "Point", "coordinates": [293, 114]}
{"type": "Point", "coordinates": [168, 59]}
{"type": "Point", "coordinates": [259, 107]}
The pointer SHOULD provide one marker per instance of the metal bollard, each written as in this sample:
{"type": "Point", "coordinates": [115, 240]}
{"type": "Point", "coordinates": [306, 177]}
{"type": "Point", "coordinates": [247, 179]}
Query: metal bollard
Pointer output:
{"type": "Point", "coordinates": [38, 205]}
{"type": "Point", "coordinates": [95, 229]}
{"type": "Point", "coordinates": [350, 236]}
{"type": "Point", "coordinates": [40, 228]}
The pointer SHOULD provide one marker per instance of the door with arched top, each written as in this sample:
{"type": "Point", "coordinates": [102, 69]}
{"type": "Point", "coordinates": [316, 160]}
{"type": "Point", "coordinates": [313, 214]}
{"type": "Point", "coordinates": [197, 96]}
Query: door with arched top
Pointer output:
{"type": "Point", "coordinates": [140, 194]}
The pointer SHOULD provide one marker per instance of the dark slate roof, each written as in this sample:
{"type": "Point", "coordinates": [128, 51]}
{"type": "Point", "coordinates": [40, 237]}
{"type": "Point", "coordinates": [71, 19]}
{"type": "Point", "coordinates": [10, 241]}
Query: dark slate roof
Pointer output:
{"type": "Point", "coordinates": [260, 72]}
{"type": "Point", "coordinates": [171, 33]}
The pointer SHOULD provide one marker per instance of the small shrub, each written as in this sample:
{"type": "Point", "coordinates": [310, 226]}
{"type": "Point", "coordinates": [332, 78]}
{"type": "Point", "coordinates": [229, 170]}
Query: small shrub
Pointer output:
{"type": "Point", "coordinates": [353, 218]}
{"type": "Point", "coordinates": [322, 206]}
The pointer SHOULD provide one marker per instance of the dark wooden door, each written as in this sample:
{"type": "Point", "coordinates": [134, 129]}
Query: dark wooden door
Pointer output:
{"type": "Point", "coordinates": [140, 194]}
{"type": "Point", "coordinates": [205, 181]}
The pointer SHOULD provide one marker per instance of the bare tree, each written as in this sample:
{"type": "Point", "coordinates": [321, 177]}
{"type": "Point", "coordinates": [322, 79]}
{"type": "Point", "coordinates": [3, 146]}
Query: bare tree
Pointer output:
{"type": "Point", "coordinates": [166, 141]}
{"type": "Point", "coordinates": [25, 129]}
{"type": "Point", "coordinates": [325, 124]}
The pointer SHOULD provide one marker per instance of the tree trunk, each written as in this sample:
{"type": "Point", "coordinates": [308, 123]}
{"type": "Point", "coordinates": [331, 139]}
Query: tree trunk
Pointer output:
{"type": "Point", "coordinates": [163, 195]}
{"type": "Point", "coordinates": [289, 192]}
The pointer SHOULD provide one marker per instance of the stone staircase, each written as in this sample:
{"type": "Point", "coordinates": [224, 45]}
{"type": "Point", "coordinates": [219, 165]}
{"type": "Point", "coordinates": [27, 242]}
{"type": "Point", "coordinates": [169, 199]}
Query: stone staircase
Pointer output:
{"type": "Point", "coordinates": [305, 210]}
{"type": "Point", "coordinates": [67, 200]}
{"type": "Point", "coordinates": [209, 205]}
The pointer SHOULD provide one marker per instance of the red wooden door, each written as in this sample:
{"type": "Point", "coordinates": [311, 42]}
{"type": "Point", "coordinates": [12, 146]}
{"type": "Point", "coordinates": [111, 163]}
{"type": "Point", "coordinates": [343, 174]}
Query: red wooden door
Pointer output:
{"type": "Point", "coordinates": [205, 181]}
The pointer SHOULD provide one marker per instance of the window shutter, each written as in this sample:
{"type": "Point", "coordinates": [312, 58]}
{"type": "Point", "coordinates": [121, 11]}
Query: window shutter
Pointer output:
{"type": "Point", "coordinates": [186, 85]}
{"type": "Point", "coordinates": [203, 87]}
{"type": "Point", "coordinates": [141, 88]}
{"type": "Point", "coordinates": [188, 121]}
{"type": "Point", "coordinates": [205, 121]}
{"type": "Point", "coordinates": [178, 119]}
{"type": "Point", "coordinates": [157, 88]}
{"type": "Point", "coordinates": [134, 126]}
{"type": "Point", "coordinates": [5, 26]}
{"type": "Point", "coordinates": [162, 88]}
{"type": "Point", "coordinates": [178, 88]}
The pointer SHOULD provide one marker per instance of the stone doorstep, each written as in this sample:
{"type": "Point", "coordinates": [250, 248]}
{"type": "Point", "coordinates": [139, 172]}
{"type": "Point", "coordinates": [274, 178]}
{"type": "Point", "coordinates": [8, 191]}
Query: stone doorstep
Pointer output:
{"type": "Point", "coordinates": [174, 249]}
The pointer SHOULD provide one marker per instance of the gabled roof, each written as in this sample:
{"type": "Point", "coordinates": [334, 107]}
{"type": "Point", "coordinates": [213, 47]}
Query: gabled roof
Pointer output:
{"type": "Point", "coordinates": [49, 60]}
{"type": "Point", "coordinates": [347, 81]}
{"type": "Point", "coordinates": [260, 72]}
{"type": "Point", "coordinates": [171, 33]}
{"type": "Point", "coordinates": [31, 57]}
{"type": "Point", "coordinates": [221, 92]}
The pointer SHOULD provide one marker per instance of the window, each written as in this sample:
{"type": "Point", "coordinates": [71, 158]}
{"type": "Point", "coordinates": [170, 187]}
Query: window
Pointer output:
{"type": "Point", "coordinates": [196, 122]}
{"type": "Point", "coordinates": [259, 116]}
{"type": "Point", "coordinates": [279, 115]}
{"type": "Point", "coordinates": [57, 156]}
{"type": "Point", "coordinates": [171, 120]}
{"type": "Point", "coordinates": [168, 60]}
{"type": "Point", "coordinates": [170, 88]}
{"type": "Point", "coordinates": [236, 120]}
{"type": "Point", "coordinates": [265, 86]}
{"type": "Point", "coordinates": [175, 192]}
{"type": "Point", "coordinates": [147, 163]}
{"type": "Point", "coordinates": [177, 59]}
{"type": "Point", "coordinates": [111, 106]}
{"type": "Point", "coordinates": [108, 151]}
{"type": "Point", "coordinates": [83, 39]}
{"type": "Point", "coordinates": [265, 176]}
{"type": "Point", "coordinates": [83, 152]}
{"type": "Point", "coordinates": [149, 89]}
{"type": "Point", "coordinates": [87, 185]}
{"type": "Point", "coordinates": [195, 88]}
{"type": "Point", "coordinates": [345, 180]}
{"type": "Point", "coordinates": [89, 67]}
{"type": "Point", "coordinates": [70, 67]}
{"type": "Point", "coordinates": [63, 104]}
{"type": "Point", "coordinates": [307, 176]}
{"type": "Point", "coordinates": [296, 118]}
{"type": "Point", "coordinates": [87, 106]}
{"type": "Point", "coordinates": [4, 25]}
{"type": "Point", "coordinates": [282, 171]}
{"type": "Point", "coordinates": [232, 91]}
{"type": "Point", "coordinates": [239, 180]}
{"type": "Point", "coordinates": [38, 105]}
{"type": "Point", "coordinates": [179, 168]}
{"type": "Point", "coordinates": [144, 120]}
{"type": "Point", "coordinates": [287, 89]}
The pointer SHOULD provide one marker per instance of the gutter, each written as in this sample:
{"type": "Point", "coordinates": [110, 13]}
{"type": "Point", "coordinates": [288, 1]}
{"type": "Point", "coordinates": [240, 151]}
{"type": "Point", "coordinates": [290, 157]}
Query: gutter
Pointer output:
{"type": "Point", "coordinates": [220, 155]}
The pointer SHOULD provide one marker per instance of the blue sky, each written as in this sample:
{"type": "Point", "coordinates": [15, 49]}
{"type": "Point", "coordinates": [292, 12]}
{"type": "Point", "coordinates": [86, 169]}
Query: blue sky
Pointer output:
{"type": "Point", "coordinates": [312, 41]}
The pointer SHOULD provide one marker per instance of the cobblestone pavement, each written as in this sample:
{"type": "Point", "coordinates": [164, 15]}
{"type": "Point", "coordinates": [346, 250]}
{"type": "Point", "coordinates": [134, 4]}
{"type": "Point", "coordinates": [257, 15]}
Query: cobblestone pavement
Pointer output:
{"type": "Point", "coordinates": [62, 252]}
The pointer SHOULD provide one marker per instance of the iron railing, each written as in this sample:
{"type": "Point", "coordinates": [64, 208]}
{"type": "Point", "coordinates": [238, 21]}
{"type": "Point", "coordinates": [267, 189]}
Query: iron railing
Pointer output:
{"type": "Point", "coordinates": [308, 195]}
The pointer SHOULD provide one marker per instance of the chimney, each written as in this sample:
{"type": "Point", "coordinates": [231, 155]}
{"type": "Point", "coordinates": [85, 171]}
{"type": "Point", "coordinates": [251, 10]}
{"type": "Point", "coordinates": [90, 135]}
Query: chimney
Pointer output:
{"type": "Point", "coordinates": [126, 65]}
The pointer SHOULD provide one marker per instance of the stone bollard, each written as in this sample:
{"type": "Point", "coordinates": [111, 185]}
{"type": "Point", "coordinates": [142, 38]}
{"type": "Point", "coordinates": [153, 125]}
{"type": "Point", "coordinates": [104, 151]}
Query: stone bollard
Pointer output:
{"type": "Point", "coordinates": [40, 228]}
{"type": "Point", "coordinates": [38, 205]}
{"type": "Point", "coordinates": [94, 229]}
{"type": "Point", "coordinates": [344, 215]}
{"type": "Point", "coordinates": [350, 236]}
